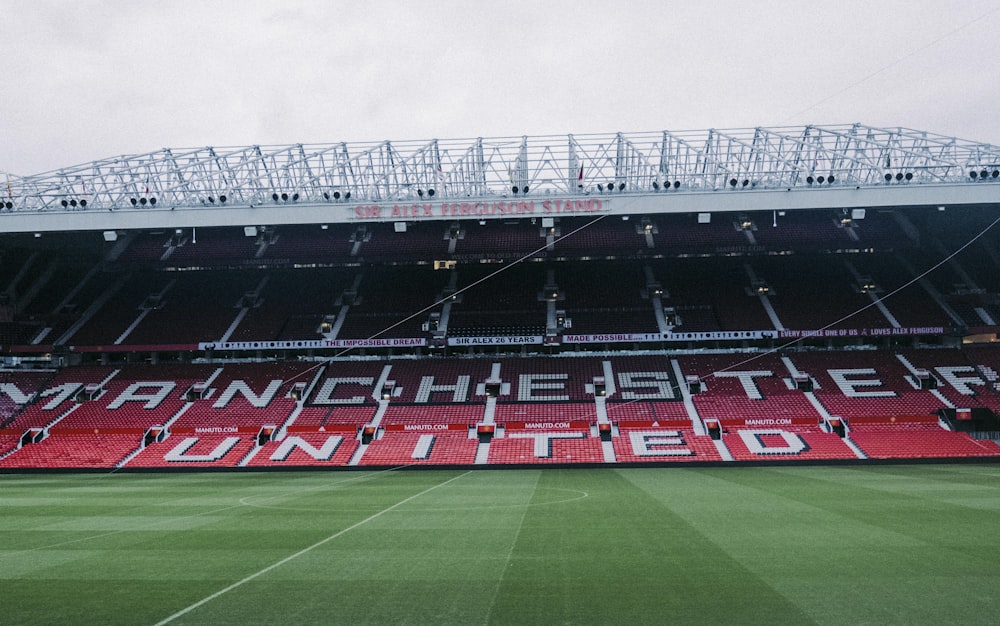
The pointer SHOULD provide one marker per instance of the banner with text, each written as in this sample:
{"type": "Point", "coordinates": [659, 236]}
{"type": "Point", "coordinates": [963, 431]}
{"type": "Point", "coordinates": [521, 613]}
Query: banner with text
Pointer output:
{"type": "Point", "coordinates": [500, 340]}
{"type": "Point", "coordinates": [863, 332]}
{"type": "Point", "coordinates": [501, 208]}
{"type": "Point", "coordinates": [314, 344]}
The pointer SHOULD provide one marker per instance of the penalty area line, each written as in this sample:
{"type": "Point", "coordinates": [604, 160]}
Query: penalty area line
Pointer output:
{"type": "Point", "coordinates": [306, 550]}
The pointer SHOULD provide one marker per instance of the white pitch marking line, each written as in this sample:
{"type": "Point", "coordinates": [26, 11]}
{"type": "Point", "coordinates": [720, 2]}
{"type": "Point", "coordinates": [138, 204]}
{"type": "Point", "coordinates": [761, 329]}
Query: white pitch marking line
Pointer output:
{"type": "Point", "coordinates": [267, 569]}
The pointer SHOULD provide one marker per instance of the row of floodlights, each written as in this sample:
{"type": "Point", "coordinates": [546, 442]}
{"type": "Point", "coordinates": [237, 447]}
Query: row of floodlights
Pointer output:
{"type": "Point", "coordinates": [984, 174]}
{"type": "Point", "coordinates": [899, 176]}
{"type": "Point", "coordinates": [69, 203]}
{"type": "Point", "coordinates": [819, 179]}
{"type": "Point", "coordinates": [666, 185]}
{"type": "Point", "coordinates": [143, 201]}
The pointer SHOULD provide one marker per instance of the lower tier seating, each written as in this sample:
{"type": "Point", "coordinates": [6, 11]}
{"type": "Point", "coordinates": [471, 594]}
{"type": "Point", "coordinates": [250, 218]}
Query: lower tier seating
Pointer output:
{"type": "Point", "coordinates": [319, 448]}
{"type": "Point", "coordinates": [83, 451]}
{"type": "Point", "coordinates": [445, 447]}
{"type": "Point", "coordinates": [196, 451]}
{"type": "Point", "coordinates": [574, 445]}
{"type": "Point", "coordinates": [798, 442]}
{"type": "Point", "coordinates": [666, 443]}
{"type": "Point", "coordinates": [917, 440]}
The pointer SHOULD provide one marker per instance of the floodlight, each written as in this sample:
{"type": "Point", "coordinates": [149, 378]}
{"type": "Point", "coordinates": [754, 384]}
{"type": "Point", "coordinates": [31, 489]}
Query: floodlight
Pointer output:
{"type": "Point", "coordinates": [133, 201]}
{"type": "Point", "coordinates": [909, 176]}
{"type": "Point", "coordinates": [820, 180]}
{"type": "Point", "coordinates": [143, 201]}
{"type": "Point", "coordinates": [64, 203]}
{"type": "Point", "coordinates": [899, 176]}
{"type": "Point", "coordinates": [83, 203]}
{"type": "Point", "coordinates": [430, 192]}
{"type": "Point", "coordinates": [284, 196]}
{"type": "Point", "coordinates": [888, 177]}
{"type": "Point", "coordinates": [732, 181]}
{"type": "Point", "coordinates": [621, 186]}
{"type": "Point", "coordinates": [336, 195]}
{"type": "Point", "coordinates": [223, 198]}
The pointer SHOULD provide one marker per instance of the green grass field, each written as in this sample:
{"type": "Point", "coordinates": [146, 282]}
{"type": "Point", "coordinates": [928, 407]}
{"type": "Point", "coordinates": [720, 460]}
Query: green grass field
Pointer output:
{"type": "Point", "coordinates": [828, 545]}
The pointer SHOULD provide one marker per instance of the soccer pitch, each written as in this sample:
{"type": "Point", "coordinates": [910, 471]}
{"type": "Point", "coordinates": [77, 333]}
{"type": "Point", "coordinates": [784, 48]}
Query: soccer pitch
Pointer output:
{"type": "Point", "coordinates": [828, 545]}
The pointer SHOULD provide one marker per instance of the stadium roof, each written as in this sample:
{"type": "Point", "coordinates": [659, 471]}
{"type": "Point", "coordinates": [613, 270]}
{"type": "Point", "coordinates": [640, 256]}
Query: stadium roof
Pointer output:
{"type": "Point", "coordinates": [843, 166]}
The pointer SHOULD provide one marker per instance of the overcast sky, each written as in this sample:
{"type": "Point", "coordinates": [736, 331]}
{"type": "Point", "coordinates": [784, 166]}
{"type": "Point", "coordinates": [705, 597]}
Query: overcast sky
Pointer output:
{"type": "Point", "coordinates": [88, 80]}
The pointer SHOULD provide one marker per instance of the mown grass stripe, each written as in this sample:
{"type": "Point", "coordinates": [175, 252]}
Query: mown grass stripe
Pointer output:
{"type": "Point", "coordinates": [303, 551]}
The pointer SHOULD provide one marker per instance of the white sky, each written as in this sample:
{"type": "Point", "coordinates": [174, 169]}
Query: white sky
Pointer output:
{"type": "Point", "coordinates": [88, 80]}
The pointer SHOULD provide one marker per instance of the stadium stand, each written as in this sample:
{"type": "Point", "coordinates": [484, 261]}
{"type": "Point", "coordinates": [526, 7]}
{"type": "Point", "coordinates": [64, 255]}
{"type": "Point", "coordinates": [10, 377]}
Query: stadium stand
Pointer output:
{"type": "Point", "coordinates": [455, 319]}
